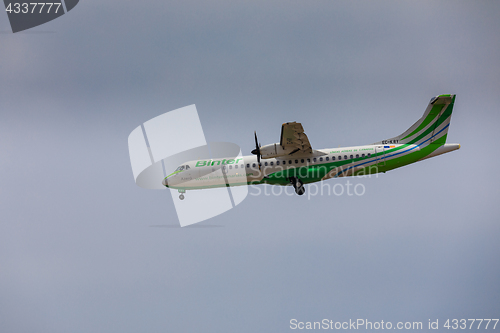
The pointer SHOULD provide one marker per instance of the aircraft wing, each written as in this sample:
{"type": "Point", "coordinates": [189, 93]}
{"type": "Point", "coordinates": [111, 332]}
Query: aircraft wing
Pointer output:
{"type": "Point", "coordinates": [293, 138]}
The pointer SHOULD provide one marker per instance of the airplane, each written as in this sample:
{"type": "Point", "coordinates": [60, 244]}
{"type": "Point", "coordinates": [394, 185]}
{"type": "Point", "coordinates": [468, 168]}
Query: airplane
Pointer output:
{"type": "Point", "coordinates": [294, 162]}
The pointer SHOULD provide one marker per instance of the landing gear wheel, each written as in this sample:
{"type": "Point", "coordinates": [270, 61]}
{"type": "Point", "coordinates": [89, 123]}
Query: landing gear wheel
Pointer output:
{"type": "Point", "coordinates": [181, 196]}
{"type": "Point", "coordinates": [300, 190]}
{"type": "Point", "coordinates": [298, 185]}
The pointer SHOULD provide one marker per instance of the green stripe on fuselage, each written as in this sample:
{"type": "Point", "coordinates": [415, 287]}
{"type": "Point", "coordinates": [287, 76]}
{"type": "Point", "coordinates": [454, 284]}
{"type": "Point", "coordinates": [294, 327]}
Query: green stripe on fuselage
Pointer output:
{"type": "Point", "coordinates": [397, 162]}
{"type": "Point", "coordinates": [309, 174]}
{"type": "Point", "coordinates": [314, 173]}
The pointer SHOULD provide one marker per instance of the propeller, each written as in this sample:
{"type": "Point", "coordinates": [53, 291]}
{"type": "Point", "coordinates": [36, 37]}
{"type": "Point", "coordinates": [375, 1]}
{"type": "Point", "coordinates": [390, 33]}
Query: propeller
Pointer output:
{"type": "Point", "coordinates": [256, 151]}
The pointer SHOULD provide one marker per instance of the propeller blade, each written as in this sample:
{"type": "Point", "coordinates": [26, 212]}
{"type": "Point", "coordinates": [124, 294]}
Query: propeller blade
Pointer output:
{"type": "Point", "coordinates": [256, 151]}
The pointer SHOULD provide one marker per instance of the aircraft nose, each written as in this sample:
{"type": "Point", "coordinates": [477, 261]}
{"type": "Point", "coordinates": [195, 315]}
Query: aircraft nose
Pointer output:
{"type": "Point", "coordinates": [165, 182]}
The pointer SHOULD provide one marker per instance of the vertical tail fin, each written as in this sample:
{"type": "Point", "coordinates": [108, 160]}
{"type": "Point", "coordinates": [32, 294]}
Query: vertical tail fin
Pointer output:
{"type": "Point", "coordinates": [432, 127]}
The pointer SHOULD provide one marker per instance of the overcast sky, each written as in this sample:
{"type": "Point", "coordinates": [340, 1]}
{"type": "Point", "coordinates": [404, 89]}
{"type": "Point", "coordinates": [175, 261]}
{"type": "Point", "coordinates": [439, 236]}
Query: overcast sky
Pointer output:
{"type": "Point", "coordinates": [83, 249]}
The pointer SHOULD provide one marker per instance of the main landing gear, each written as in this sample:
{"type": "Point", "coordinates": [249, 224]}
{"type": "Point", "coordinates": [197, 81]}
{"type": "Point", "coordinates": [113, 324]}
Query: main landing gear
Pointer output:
{"type": "Point", "coordinates": [297, 185]}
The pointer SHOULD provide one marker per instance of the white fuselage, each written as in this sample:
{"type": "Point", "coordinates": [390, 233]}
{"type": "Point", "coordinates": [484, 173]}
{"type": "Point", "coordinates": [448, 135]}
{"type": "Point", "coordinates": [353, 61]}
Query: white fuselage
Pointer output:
{"type": "Point", "coordinates": [243, 170]}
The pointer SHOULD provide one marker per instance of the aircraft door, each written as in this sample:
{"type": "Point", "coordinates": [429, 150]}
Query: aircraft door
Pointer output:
{"type": "Point", "coordinates": [379, 150]}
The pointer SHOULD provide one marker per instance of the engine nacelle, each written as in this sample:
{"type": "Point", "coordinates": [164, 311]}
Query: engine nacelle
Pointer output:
{"type": "Point", "coordinates": [274, 150]}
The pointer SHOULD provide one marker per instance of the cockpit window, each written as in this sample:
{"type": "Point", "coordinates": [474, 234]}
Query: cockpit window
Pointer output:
{"type": "Point", "coordinates": [183, 167]}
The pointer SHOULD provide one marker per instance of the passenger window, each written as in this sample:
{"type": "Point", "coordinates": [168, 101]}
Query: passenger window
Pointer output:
{"type": "Point", "coordinates": [277, 162]}
{"type": "Point", "coordinates": [345, 157]}
{"type": "Point", "coordinates": [308, 160]}
{"type": "Point", "coordinates": [369, 154]}
{"type": "Point", "coordinates": [357, 155]}
{"type": "Point", "coordinates": [265, 164]}
{"type": "Point", "coordinates": [327, 158]}
{"type": "Point", "coordinates": [242, 166]}
{"type": "Point", "coordinates": [254, 165]}
{"type": "Point", "coordinates": [296, 161]}
{"type": "Point", "coordinates": [230, 167]}
{"type": "Point", "coordinates": [302, 161]}
{"type": "Point", "coordinates": [248, 165]}
{"type": "Point", "coordinates": [272, 163]}
{"type": "Point", "coordinates": [314, 159]}
{"type": "Point", "coordinates": [340, 157]}
{"type": "Point", "coordinates": [236, 166]}
{"type": "Point", "coordinates": [351, 157]}
{"type": "Point", "coordinates": [321, 159]}
{"type": "Point", "coordinates": [362, 155]}
{"type": "Point", "coordinates": [333, 158]}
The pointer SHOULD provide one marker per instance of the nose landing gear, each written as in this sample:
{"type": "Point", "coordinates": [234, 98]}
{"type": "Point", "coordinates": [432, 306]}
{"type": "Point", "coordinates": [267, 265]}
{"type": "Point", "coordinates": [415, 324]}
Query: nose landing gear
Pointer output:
{"type": "Point", "coordinates": [297, 185]}
{"type": "Point", "coordinates": [181, 195]}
